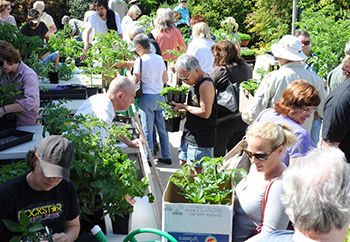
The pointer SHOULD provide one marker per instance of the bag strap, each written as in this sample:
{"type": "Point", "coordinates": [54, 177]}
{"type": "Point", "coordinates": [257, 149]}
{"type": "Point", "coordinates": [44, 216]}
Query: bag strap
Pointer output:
{"type": "Point", "coordinates": [140, 72]}
{"type": "Point", "coordinates": [229, 74]}
{"type": "Point", "coordinates": [266, 193]}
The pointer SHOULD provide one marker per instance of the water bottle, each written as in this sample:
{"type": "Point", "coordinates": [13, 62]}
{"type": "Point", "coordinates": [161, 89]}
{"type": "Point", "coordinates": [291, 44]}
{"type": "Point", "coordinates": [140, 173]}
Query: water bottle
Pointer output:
{"type": "Point", "coordinates": [99, 235]}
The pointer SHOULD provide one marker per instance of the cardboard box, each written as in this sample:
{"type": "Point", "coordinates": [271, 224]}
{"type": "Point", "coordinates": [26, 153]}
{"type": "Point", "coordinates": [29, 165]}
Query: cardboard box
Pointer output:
{"type": "Point", "coordinates": [189, 222]}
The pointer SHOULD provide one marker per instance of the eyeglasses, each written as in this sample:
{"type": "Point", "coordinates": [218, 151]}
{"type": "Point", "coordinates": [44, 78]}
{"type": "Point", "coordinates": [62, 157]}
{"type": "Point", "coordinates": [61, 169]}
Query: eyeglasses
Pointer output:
{"type": "Point", "coordinates": [308, 111]}
{"type": "Point", "coordinates": [185, 78]}
{"type": "Point", "coordinates": [2, 63]}
{"type": "Point", "coordinates": [183, 1]}
{"type": "Point", "coordinates": [306, 42]}
{"type": "Point", "coordinates": [260, 157]}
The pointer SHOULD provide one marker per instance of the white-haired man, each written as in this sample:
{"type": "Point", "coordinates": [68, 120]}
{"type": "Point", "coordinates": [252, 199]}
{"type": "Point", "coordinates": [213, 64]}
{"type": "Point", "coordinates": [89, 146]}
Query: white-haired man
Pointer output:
{"type": "Point", "coordinates": [316, 195]}
{"type": "Point", "coordinates": [119, 97]}
{"type": "Point", "coordinates": [289, 53]}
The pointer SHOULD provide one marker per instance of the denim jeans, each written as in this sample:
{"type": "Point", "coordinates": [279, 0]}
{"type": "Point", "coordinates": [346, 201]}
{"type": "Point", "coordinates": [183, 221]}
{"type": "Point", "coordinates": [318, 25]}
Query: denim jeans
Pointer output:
{"type": "Point", "coordinates": [315, 130]}
{"type": "Point", "coordinates": [190, 153]}
{"type": "Point", "coordinates": [151, 113]}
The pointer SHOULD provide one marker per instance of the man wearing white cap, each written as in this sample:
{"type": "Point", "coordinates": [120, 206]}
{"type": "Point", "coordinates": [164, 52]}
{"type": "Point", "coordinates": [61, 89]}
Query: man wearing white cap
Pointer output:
{"type": "Point", "coordinates": [289, 53]}
{"type": "Point", "coordinates": [44, 193]}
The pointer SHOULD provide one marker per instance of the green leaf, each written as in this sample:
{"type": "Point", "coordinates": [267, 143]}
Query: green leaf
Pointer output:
{"type": "Point", "coordinates": [36, 226]}
{"type": "Point", "coordinates": [12, 226]}
{"type": "Point", "coordinates": [24, 219]}
{"type": "Point", "coordinates": [16, 239]}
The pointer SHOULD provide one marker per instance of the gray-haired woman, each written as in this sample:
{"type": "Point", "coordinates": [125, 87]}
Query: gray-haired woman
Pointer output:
{"type": "Point", "coordinates": [167, 36]}
{"type": "Point", "coordinates": [150, 69]}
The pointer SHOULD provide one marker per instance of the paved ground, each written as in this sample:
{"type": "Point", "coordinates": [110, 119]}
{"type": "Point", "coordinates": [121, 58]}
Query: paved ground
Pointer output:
{"type": "Point", "coordinates": [143, 215]}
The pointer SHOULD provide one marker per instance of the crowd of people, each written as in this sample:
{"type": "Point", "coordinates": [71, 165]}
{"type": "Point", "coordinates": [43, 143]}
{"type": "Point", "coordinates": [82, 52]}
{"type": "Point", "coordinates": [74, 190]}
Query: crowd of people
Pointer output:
{"type": "Point", "coordinates": [297, 128]}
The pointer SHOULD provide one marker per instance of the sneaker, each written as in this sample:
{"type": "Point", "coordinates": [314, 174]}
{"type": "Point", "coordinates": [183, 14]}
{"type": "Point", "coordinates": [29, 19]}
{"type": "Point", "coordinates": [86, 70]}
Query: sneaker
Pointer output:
{"type": "Point", "coordinates": [166, 161]}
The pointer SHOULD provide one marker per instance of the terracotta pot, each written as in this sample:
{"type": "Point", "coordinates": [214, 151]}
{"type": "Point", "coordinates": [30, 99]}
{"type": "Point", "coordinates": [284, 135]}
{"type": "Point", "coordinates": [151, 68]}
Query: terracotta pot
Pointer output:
{"type": "Point", "coordinates": [244, 43]}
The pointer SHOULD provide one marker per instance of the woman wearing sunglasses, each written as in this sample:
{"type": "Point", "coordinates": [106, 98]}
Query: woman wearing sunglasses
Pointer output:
{"type": "Point", "coordinates": [299, 100]}
{"type": "Point", "coordinates": [5, 10]}
{"type": "Point", "coordinates": [266, 142]}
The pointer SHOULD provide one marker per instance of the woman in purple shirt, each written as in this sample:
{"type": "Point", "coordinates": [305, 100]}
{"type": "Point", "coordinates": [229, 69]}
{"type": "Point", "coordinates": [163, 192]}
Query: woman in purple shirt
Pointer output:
{"type": "Point", "coordinates": [299, 100]}
{"type": "Point", "coordinates": [15, 71]}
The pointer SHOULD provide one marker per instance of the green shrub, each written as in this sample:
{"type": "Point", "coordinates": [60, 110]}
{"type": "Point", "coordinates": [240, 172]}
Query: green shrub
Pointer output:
{"type": "Point", "coordinates": [78, 8]}
{"type": "Point", "coordinates": [247, 52]}
{"type": "Point", "coordinates": [244, 36]}
{"type": "Point", "coordinates": [329, 31]}
{"type": "Point", "coordinates": [215, 11]}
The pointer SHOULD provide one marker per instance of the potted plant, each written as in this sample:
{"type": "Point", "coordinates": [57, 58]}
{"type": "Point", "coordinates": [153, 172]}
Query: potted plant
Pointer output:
{"type": "Point", "coordinates": [248, 88]}
{"type": "Point", "coordinates": [28, 231]}
{"type": "Point", "coordinates": [248, 54]}
{"type": "Point", "coordinates": [108, 49]}
{"type": "Point", "coordinates": [180, 94]}
{"type": "Point", "coordinates": [101, 172]}
{"type": "Point", "coordinates": [176, 94]}
{"type": "Point", "coordinates": [245, 38]}
{"type": "Point", "coordinates": [205, 199]}
{"type": "Point", "coordinates": [8, 92]}
{"type": "Point", "coordinates": [172, 118]}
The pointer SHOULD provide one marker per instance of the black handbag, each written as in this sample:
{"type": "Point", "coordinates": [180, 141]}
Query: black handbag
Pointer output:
{"type": "Point", "coordinates": [139, 91]}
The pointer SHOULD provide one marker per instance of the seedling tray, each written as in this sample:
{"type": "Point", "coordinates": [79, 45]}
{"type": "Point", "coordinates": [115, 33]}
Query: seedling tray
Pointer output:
{"type": "Point", "coordinates": [12, 137]}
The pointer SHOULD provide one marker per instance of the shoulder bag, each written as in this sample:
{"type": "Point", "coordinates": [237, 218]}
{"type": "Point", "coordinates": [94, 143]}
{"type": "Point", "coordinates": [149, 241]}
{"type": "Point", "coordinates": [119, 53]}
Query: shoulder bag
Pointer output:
{"type": "Point", "coordinates": [139, 91]}
{"type": "Point", "coordinates": [229, 98]}
{"type": "Point", "coordinates": [236, 158]}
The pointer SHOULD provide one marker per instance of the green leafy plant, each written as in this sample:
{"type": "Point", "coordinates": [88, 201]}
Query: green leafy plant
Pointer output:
{"type": "Point", "coordinates": [244, 36]}
{"type": "Point", "coordinates": [28, 231]}
{"type": "Point", "coordinates": [8, 91]}
{"type": "Point", "coordinates": [170, 113]}
{"type": "Point", "coordinates": [247, 52]}
{"type": "Point", "coordinates": [147, 22]}
{"type": "Point", "coordinates": [13, 170]}
{"type": "Point", "coordinates": [176, 53]}
{"type": "Point", "coordinates": [209, 187]}
{"type": "Point", "coordinates": [174, 90]}
{"type": "Point", "coordinates": [101, 167]}
{"type": "Point", "coordinates": [55, 117]}
{"type": "Point", "coordinates": [253, 84]}
{"type": "Point", "coordinates": [108, 49]}
{"type": "Point", "coordinates": [65, 71]}
{"type": "Point", "coordinates": [335, 26]}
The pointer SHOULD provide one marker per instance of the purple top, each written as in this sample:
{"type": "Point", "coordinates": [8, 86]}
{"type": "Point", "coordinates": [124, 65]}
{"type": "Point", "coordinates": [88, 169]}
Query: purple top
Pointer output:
{"type": "Point", "coordinates": [304, 143]}
{"type": "Point", "coordinates": [30, 99]}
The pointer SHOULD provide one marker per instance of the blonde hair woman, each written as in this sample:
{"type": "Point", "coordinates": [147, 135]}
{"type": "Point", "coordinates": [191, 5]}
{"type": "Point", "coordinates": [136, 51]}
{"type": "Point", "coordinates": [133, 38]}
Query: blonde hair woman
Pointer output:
{"type": "Point", "coordinates": [128, 21]}
{"type": "Point", "coordinates": [266, 142]}
{"type": "Point", "coordinates": [5, 10]}
{"type": "Point", "coordinates": [200, 46]}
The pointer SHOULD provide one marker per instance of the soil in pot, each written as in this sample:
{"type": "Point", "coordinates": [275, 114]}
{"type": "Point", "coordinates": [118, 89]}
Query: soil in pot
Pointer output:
{"type": "Point", "coordinates": [172, 124]}
{"type": "Point", "coordinates": [168, 98]}
{"type": "Point", "coordinates": [121, 225]}
{"type": "Point", "coordinates": [53, 76]}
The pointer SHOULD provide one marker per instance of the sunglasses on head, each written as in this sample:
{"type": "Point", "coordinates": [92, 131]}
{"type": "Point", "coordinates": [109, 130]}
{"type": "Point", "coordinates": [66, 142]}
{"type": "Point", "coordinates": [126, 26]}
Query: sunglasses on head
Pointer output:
{"type": "Point", "coordinates": [306, 42]}
{"type": "Point", "coordinates": [260, 157]}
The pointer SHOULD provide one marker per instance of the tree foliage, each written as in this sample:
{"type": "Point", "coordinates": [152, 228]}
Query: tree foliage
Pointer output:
{"type": "Point", "coordinates": [77, 8]}
{"type": "Point", "coordinates": [215, 11]}
{"type": "Point", "coordinates": [329, 31]}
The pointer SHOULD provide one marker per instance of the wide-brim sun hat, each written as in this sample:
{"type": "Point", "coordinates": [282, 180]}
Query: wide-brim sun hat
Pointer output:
{"type": "Point", "coordinates": [289, 48]}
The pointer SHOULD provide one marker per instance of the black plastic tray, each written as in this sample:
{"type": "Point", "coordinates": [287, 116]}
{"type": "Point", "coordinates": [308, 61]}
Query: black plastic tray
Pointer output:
{"type": "Point", "coordinates": [13, 137]}
{"type": "Point", "coordinates": [69, 92]}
